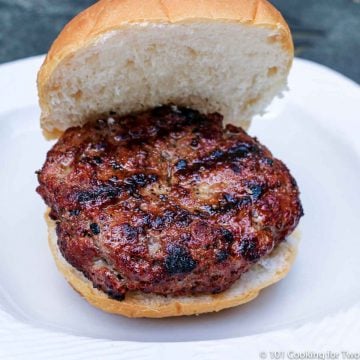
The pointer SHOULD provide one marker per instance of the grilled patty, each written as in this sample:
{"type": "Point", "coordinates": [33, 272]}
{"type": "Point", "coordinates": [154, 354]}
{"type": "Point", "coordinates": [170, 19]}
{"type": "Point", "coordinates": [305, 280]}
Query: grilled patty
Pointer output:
{"type": "Point", "coordinates": [167, 201]}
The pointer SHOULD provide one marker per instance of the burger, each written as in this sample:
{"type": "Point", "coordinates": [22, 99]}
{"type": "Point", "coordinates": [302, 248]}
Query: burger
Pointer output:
{"type": "Point", "coordinates": [159, 202]}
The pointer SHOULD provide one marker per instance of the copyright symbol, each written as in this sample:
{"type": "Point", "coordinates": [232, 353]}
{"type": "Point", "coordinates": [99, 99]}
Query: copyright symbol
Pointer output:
{"type": "Point", "coordinates": [262, 355]}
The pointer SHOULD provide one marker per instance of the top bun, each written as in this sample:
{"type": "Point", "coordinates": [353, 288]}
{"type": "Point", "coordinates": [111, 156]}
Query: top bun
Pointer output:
{"type": "Point", "coordinates": [229, 56]}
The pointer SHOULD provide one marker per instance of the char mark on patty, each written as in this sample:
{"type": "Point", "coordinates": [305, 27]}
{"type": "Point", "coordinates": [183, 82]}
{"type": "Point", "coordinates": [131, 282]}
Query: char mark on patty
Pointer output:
{"type": "Point", "coordinates": [109, 191]}
{"type": "Point", "coordinates": [178, 260]}
{"type": "Point", "coordinates": [217, 156]}
{"type": "Point", "coordinates": [249, 249]}
{"type": "Point", "coordinates": [227, 204]}
{"type": "Point", "coordinates": [100, 193]}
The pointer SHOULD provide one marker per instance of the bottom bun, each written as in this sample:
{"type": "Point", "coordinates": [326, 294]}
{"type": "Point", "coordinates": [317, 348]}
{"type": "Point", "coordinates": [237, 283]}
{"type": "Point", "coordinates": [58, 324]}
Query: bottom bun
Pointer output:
{"type": "Point", "coordinates": [267, 271]}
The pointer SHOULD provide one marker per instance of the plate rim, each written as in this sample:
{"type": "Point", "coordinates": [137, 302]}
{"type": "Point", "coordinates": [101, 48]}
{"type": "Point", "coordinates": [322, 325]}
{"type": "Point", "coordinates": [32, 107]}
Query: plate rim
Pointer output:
{"type": "Point", "coordinates": [9, 324]}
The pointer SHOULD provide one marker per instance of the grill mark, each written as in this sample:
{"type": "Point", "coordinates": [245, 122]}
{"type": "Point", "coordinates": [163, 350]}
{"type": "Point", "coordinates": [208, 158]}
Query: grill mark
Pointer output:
{"type": "Point", "coordinates": [268, 161]}
{"type": "Point", "coordinates": [181, 165]}
{"type": "Point", "coordinates": [221, 255]}
{"type": "Point", "coordinates": [256, 191]}
{"type": "Point", "coordinates": [116, 166]}
{"type": "Point", "coordinates": [103, 192]}
{"type": "Point", "coordinates": [95, 228]}
{"type": "Point", "coordinates": [174, 216]}
{"type": "Point", "coordinates": [94, 161]}
{"type": "Point", "coordinates": [177, 216]}
{"type": "Point", "coordinates": [182, 218]}
{"type": "Point", "coordinates": [131, 232]}
{"type": "Point", "coordinates": [110, 191]}
{"type": "Point", "coordinates": [140, 180]}
{"type": "Point", "coordinates": [178, 260]}
{"type": "Point", "coordinates": [217, 156]}
{"type": "Point", "coordinates": [74, 212]}
{"type": "Point", "coordinates": [227, 204]}
{"type": "Point", "coordinates": [227, 235]}
{"type": "Point", "coordinates": [249, 249]}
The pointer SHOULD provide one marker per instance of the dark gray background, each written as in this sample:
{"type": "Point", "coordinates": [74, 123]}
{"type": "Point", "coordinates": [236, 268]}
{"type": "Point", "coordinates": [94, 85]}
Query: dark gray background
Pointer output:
{"type": "Point", "coordinates": [325, 31]}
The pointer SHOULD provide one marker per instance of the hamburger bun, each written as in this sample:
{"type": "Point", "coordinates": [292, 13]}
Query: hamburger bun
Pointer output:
{"type": "Point", "coordinates": [227, 56]}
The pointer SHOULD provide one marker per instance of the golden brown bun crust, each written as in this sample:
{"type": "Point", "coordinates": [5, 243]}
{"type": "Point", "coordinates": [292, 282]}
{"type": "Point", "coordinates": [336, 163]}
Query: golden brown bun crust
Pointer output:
{"type": "Point", "coordinates": [107, 15]}
{"type": "Point", "coordinates": [154, 306]}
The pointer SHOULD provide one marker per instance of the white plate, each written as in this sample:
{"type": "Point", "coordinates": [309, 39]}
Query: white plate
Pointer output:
{"type": "Point", "coordinates": [313, 129]}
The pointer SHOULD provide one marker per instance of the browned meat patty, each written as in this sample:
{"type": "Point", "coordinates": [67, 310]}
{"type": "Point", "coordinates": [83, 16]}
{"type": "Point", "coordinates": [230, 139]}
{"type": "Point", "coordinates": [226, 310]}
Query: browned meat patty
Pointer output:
{"type": "Point", "coordinates": [166, 201]}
